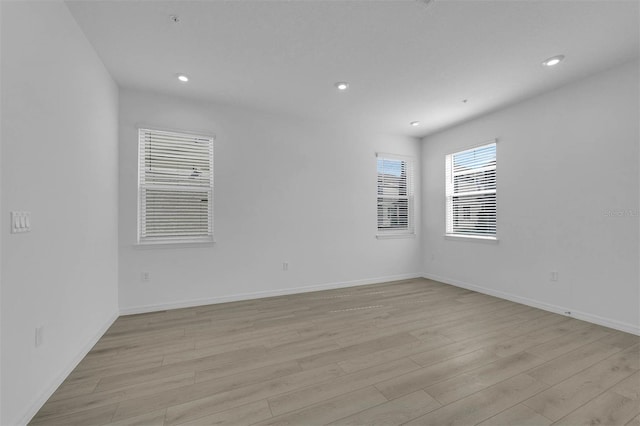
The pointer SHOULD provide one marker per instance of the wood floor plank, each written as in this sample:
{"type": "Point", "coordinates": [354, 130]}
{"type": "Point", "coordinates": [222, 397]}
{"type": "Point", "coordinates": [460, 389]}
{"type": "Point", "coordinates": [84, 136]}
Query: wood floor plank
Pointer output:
{"type": "Point", "coordinates": [132, 352]}
{"type": "Point", "coordinates": [70, 388]}
{"type": "Point", "coordinates": [519, 415]}
{"type": "Point", "coordinates": [441, 317]}
{"type": "Point", "coordinates": [365, 334]}
{"type": "Point", "coordinates": [153, 418]}
{"type": "Point", "coordinates": [608, 408]}
{"type": "Point", "coordinates": [394, 412]}
{"type": "Point", "coordinates": [156, 336]}
{"type": "Point", "coordinates": [565, 397]}
{"type": "Point", "coordinates": [484, 404]}
{"type": "Point", "coordinates": [125, 369]}
{"type": "Point", "coordinates": [397, 352]}
{"type": "Point", "coordinates": [459, 348]}
{"type": "Point", "coordinates": [244, 367]}
{"type": "Point", "coordinates": [332, 409]}
{"type": "Point", "coordinates": [330, 357]}
{"type": "Point", "coordinates": [536, 338]}
{"type": "Point", "coordinates": [621, 340]}
{"type": "Point", "coordinates": [94, 416]}
{"type": "Point", "coordinates": [566, 343]}
{"type": "Point", "coordinates": [565, 366]}
{"type": "Point", "coordinates": [199, 401]}
{"type": "Point", "coordinates": [492, 322]}
{"type": "Point", "coordinates": [544, 321]}
{"type": "Point", "coordinates": [629, 387]}
{"type": "Point", "coordinates": [191, 354]}
{"type": "Point", "coordinates": [634, 422]}
{"type": "Point", "coordinates": [427, 376]}
{"type": "Point", "coordinates": [245, 378]}
{"type": "Point", "coordinates": [295, 400]}
{"type": "Point", "coordinates": [481, 378]}
{"type": "Point", "coordinates": [115, 381]}
{"type": "Point", "coordinates": [98, 399]}
{"type": "Point", "coordinates": [135, 349]}
{"type": "Point", "coordinates": [617, 406]}
{"type": "Point", "coordinates": [207, 339]}
{"type": "Point", "coordinates": [239, 416]}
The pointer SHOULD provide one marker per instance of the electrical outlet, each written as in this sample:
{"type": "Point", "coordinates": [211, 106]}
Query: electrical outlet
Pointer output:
{"type": "Point", "coordinates": [145, 277]}
{"type": "Point", "coordinates": [285, 266]}
{"type": "Point", "coordinates": [553, 276]}
{"type": "Point", "coordinates": [39, 337]}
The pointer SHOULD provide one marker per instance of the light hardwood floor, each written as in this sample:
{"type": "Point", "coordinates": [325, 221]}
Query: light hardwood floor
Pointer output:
{"type": "Point", "coordinates": [412, 352]}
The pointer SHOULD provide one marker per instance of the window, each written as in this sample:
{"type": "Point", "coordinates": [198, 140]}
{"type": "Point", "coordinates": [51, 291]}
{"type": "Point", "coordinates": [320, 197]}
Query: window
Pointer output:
{"type": "Point", "coordinates": [395, 195]}
{"type": "Point", "coordinates": [175, 187]}
{"type": "Point", "coordinates": [471, 192]}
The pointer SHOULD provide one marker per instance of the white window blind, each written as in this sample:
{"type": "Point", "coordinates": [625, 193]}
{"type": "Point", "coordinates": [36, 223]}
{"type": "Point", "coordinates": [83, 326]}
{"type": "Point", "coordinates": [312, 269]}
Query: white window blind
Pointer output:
{"type": "Point", "coordinates": [175, 187]}
{"type": "Point", "coordinates": [471, 192]}
{"type": "Point", "coordinates": [395, 195]}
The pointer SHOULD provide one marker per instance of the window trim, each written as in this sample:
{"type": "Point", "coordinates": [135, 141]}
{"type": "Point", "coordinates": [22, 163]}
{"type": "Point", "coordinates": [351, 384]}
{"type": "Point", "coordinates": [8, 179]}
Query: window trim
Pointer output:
{"type": "Point", "coordinates": [410, 232]}
{"type": "Point", "coordinates": [179, 241]}
{"type": "Point", "coordinates": [460, 237]}
{"type": "Point", "coordinates": [469, 237]}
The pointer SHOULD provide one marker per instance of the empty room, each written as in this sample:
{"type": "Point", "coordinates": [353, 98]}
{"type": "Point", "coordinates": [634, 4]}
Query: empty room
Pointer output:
{"type": "Point", "coordinates": [314, 212]}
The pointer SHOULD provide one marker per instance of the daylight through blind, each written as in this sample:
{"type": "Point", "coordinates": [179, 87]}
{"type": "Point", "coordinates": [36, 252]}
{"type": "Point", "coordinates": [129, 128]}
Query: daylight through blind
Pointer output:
{"type": "Point", "coordinates": [175, 186]}
{"type": "Point", "coordinates": [471, 192]}
{"type": "Point", "coordinates": [395, 194]}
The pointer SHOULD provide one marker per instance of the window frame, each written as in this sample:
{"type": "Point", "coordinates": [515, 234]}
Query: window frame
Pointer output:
{"type": "Point", "coordinates": [450, 193]}
{"type": "Point", "coordinates": [410, 230]}
{"type": "Point", "coordinates": [179, 240]}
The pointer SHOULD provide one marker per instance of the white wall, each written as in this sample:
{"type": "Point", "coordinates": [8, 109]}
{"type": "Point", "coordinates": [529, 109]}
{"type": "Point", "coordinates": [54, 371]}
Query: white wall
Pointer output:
{"type": "Point", "coordinates": [1, 217]}
{"type": "Point", "coordinates": [59, 145]}
{"type": "Point", "coordinates": [565, 160]}
{"type": "Point", "coordinates": [285, 190]}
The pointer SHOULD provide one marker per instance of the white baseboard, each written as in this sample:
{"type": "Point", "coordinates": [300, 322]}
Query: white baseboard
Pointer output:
{"type": "Point", "coordinates": [261, 294]}
{"type": "Point", "coordinates": [46, 394]}
{"type": "Point", "coordinates": [595, 319]}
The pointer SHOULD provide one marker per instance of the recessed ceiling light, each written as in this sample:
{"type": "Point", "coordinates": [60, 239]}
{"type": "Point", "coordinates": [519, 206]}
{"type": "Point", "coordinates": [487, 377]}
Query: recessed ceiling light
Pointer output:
{"type": "Point", "coordinates": [415, 123]}
{"type": "Point", "coordinates": [555, 60]}
{"type": "Point", "coordinates": [183, 78]}
{"type": "Point", "coordinates": [425, 3]}
{"type": "Point", "coordinates": [342, 85]}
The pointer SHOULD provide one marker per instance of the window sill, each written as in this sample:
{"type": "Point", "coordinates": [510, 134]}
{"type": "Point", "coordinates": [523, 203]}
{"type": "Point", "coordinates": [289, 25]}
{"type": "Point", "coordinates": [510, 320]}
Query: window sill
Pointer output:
{"type": "Point", "coordinates": [173, 244]}
{"type": "Point", "coordinates": [394, 236]}
{"type": "Point", "coordinates": [454, 237]}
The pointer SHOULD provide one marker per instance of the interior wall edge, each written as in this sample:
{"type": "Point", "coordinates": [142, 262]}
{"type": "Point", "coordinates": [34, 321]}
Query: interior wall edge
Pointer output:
{"type": "Point", "coordinates": [53, 386]}
{"type": "Point", "coordinates": [584, 316]}
{"type": "Point", "coordinates": [263, 294]}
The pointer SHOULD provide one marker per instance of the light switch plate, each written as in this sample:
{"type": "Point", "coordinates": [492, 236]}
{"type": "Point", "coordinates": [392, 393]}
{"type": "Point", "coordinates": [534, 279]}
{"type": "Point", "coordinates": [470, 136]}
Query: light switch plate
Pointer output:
{"type": "Point", "coordinates": [20, 222]}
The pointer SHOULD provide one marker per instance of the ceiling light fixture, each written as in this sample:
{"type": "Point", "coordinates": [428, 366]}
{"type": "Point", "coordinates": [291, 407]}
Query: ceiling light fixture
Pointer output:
{"type": "Point", "coordinates": [555, 60]}
{"type": "Point", "coordinates": [425, 3]}
{"type": "Point", "coordinates": [342, 85]}
{"type": "Point", "coordinates": [415, 123]}
{"type": "Point", "coordinates": [183, 78]}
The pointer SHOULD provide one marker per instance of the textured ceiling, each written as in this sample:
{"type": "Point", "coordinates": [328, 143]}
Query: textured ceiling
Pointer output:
{"type": "Point", "coordinates": [404, 61]}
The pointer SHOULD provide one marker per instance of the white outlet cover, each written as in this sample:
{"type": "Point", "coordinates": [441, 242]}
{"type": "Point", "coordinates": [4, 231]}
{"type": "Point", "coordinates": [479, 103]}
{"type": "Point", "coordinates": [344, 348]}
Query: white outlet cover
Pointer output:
{"type": "Point", "coordinates": [39, 336]}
